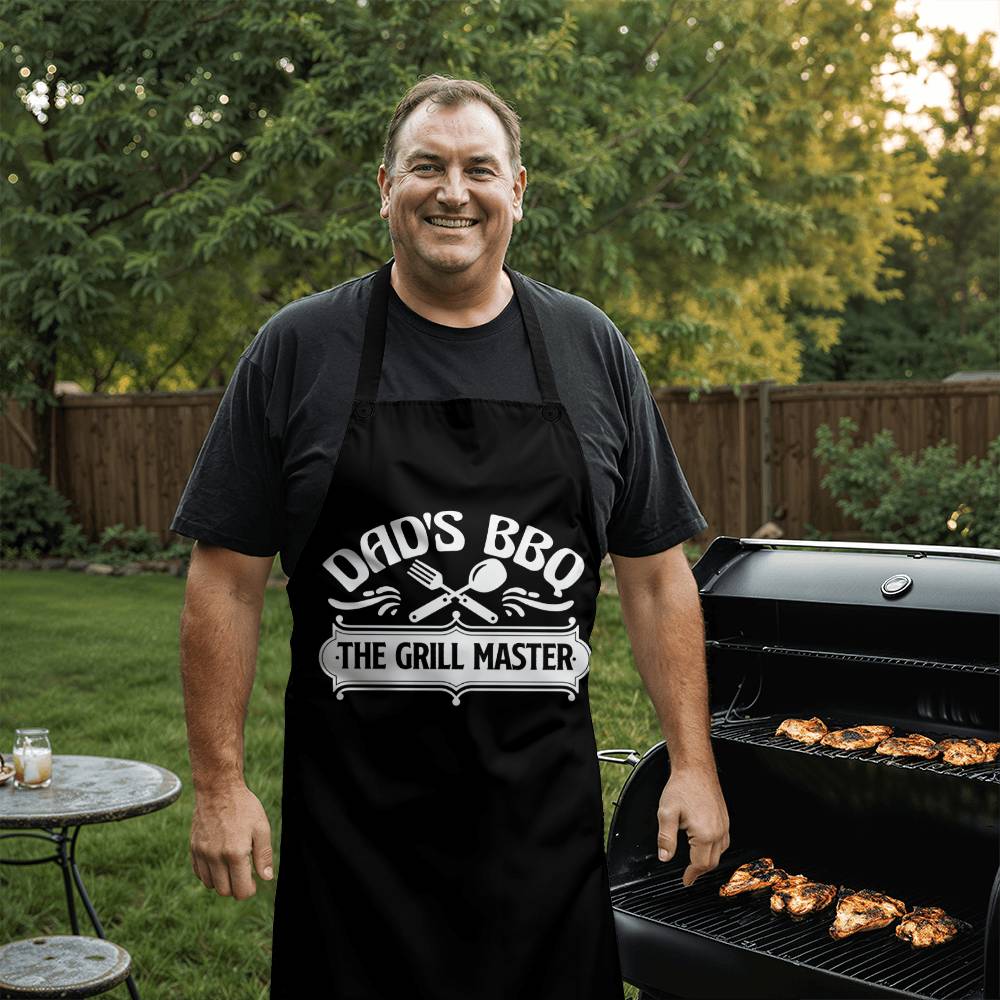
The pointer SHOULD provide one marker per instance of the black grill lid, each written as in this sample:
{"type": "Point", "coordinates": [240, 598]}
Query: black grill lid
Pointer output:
{"type": "Point", "coordinates": [907, 576]}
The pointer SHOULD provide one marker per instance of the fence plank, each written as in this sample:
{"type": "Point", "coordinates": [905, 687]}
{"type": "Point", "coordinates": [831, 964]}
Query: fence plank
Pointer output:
{"type": "Point", "coordinates": [771, 451]}
{"type": "Point", "coordinates": [741, 436]}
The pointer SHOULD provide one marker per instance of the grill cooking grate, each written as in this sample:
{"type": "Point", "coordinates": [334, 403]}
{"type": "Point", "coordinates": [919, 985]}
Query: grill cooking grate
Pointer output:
{"type": "Point", "coordinates": [949, 972]}
{"type": "Point", "coordinates": [759, 730]}
{"type": "Point", "coordinates": [744, 646]}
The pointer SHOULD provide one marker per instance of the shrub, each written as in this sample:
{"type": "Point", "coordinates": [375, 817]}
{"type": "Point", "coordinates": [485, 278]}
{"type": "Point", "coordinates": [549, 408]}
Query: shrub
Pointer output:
{"type": "Point", "coordinates": [74, 545]}
{"type": "Point", "coordinates": [926, 499]}
{"type": "Point", "coordinates": [33, 516]}
{"type": "Point", "coordinates": [34, 523]}
{"type": "Point", "coordinates": [138, 543]}
{"type": "Point", "coordinates": [119, 545]}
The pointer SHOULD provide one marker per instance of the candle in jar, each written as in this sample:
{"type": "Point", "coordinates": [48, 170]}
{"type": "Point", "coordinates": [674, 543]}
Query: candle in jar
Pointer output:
{"type": "Point", "coordinates": [32, 765]}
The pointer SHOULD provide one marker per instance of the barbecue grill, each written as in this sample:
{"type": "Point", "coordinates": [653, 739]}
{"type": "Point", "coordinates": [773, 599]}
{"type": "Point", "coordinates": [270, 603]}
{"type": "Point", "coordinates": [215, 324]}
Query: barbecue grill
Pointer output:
{"type": "Point", "coordinates": [856, 634]}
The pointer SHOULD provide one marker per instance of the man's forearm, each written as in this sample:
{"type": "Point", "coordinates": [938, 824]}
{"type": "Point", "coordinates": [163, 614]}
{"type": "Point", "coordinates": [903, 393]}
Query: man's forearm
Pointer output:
{"type": "Point", "coordinates": [218, 647]}
{"type": "Point", "coordinates": [667, 634]}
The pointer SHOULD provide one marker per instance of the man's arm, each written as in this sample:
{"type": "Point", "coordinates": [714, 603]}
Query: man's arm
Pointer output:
{"type": "Point", "coordinates": [662, 614]}
{"type": "Point", "coordinates": [218, 646]}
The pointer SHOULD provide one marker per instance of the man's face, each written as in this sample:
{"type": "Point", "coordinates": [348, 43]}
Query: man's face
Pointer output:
{"type": "Point", "coordinates": [452, 163]}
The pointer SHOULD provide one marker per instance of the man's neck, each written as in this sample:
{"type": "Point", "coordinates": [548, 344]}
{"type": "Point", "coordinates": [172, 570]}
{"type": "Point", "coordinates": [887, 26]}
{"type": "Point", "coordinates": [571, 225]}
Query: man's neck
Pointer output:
{"type": "Point", "coordinates": [467, 304]}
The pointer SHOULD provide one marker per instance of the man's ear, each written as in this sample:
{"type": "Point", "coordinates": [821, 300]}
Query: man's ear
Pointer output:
{"type": "Point", "coordinates": [520, 185]}
{"type": "Point", "coordinates": [384, 183]}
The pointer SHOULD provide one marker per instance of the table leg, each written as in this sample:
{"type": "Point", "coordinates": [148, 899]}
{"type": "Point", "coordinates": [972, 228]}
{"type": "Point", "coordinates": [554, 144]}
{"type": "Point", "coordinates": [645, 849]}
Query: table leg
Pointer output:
{"type": "Point", "coordinates": [52, 836]}
{"type": "Point", "coordinates": [91, 912]}
{"type": "Point", "coordinates": [78, 879]}
{"type": "Point", "coordinates": [67, 881]}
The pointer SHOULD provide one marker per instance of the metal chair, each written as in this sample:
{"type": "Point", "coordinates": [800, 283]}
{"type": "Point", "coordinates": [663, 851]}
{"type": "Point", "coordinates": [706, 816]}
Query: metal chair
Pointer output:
{"type": "Point", "coordinates": [70, 965]}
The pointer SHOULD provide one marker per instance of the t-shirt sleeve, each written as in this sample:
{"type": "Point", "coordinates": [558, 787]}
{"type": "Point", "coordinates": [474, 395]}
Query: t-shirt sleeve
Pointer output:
{"type": "Point", "coordinates": [233, 496]}
{"type": "Point", "coordinates": [654, 509]}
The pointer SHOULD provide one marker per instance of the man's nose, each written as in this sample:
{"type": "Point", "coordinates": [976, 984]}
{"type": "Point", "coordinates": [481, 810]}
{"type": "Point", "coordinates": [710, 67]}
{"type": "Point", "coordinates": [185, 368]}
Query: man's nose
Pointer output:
{"type": "Point", "coordinates": [453, 189]}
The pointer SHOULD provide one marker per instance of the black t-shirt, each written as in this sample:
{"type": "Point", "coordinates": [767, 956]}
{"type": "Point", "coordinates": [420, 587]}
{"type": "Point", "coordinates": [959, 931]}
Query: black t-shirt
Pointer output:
{"type": "Point", "coordinates": [264, 469]}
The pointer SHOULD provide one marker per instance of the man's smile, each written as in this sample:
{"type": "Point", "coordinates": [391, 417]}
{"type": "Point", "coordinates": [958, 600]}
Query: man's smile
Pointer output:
{"type": "Point", "coordinates": [449, 222]}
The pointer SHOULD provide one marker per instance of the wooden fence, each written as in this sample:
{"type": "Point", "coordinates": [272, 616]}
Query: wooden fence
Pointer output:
{"type": "Point", "coordinates": [747, 455]}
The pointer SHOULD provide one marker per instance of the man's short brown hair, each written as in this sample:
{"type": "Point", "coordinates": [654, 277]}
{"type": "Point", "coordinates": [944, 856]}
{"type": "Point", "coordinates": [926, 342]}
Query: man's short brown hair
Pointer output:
{"type": "Point", "coordinates": [445, 90]}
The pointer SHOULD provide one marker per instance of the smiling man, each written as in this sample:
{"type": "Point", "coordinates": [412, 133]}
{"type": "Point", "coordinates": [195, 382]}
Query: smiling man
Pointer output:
{"type": "Point", "coordinates": [442, 450]}
{"type": "Point", "coordinates": [452, 190]}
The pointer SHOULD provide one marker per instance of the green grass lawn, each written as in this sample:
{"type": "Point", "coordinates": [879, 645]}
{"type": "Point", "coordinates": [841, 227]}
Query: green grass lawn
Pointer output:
{"type": "Point", "coordinates": [95, 660]}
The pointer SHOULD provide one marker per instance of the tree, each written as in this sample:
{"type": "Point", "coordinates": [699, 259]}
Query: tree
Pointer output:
{"type": "Point", "coordinates": [945, 317]}
{"type": "Point", "coordinates": [776, 245]}
{"type": "Point", "coordinates": [124, 127]}
{"type": "Point", "coordinates": [704, 175]}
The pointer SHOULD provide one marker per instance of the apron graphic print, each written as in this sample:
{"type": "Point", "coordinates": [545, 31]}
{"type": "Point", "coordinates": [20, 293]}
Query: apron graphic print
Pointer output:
{"type": "Point", "coordinates": [463, 645]}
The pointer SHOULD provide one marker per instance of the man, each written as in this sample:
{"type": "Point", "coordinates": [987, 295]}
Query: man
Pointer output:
{"type": "Point", "coordinates": [442, 450]}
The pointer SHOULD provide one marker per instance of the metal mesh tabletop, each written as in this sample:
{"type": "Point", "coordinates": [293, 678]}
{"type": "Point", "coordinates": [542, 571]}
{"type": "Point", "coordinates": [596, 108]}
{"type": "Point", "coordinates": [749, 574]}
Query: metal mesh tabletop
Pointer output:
{"type": "Point", "coordinates": [89, 790]}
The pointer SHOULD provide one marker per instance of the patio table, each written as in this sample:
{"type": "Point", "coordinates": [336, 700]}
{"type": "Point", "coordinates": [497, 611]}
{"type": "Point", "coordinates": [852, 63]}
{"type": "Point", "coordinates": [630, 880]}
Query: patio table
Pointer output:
{"type": "Point", "coordinates": [84, 790]}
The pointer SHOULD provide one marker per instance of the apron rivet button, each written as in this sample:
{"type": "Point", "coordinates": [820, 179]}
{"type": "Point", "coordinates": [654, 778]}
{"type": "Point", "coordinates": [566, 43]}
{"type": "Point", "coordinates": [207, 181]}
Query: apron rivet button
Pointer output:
{"type": "Point", "coordinates": [550, 411]}
{"type": "Point", "coordinates": [364, 410]}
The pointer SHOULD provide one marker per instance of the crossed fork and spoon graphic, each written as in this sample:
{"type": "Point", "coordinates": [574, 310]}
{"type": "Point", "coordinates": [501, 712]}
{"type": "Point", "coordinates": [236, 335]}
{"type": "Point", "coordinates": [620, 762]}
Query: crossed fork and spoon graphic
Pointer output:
{"type": "Point", "coordinates": [485, 577]}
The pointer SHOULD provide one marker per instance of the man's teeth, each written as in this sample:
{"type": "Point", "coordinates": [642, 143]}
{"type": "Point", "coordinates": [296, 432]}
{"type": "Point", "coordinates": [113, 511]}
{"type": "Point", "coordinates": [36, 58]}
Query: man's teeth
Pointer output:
{"type": "Point", "coordinates": [452, 223]}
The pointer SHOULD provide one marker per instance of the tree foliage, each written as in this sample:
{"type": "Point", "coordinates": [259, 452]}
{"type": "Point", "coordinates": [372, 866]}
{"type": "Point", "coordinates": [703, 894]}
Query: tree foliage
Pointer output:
{"type": "Point", "coordinates": [712, 175]}
{"type": "Point", "coordinates": [944, 317]}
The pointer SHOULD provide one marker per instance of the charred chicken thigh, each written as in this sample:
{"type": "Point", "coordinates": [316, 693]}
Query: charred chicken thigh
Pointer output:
{"type": "Point", "coordinates": [757, 875]}
{"type": "Point", "coordinates": [964, 752]}
{"type": "Point", "coordinates": [857, 737]}
{"type": "Point", "coordinates": [864, 910]}
{"type": "Point", "coordinates": [927, 926]}
{"type": "Point", "coordinates": [804, 730]}
{"type": "Point", "coordinates": [802, 898]}
{"type": "Point", "coordinates": [913, 745]}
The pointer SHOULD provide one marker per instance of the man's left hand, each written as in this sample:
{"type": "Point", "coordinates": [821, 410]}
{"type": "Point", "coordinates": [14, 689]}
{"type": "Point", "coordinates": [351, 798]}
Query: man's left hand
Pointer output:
{"type": "Point", "coordinates": [692, 801]}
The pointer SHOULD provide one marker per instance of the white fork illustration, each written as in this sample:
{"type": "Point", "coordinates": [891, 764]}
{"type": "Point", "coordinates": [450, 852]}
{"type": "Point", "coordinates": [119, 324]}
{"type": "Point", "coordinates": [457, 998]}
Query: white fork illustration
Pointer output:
{"type": "Point", "coordinates": [486, 576]}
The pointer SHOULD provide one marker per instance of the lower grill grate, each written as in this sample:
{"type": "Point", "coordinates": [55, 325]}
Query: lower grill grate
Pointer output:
{"type": "Point", "coordinates": [759, 730]}
{"type": "Point", "coordinates": [948, 972]}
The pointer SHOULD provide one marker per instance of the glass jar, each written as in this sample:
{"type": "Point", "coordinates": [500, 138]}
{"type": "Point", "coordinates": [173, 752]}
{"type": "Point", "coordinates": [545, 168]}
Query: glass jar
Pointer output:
{"type": "Point", "coordinates": [32, 759]}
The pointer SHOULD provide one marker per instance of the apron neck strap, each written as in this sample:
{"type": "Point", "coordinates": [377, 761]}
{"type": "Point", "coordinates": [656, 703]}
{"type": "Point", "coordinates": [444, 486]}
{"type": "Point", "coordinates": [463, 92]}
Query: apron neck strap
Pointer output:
{"type": "Point", "coordinates": [373, 351]}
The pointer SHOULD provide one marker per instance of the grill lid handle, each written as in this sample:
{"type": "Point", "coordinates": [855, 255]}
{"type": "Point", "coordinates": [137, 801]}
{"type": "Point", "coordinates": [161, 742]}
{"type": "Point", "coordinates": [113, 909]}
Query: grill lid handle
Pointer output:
{"type": "Point", "coordinates": [619, 756]}
{"type": "Point", "coordinates": [917, 551]}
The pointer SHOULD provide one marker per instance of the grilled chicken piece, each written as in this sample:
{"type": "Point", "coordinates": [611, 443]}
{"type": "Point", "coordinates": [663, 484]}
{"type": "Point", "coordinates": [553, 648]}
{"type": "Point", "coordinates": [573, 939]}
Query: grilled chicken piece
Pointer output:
{"type": "Point", "coordinates": [864, 911]}
{"type": "Point", "coordinates": [802, 898]}
{"type": "Point", "coordinates": [913, 745]}
{"type": "Point", "coordinates": [857, 737]}
{"type": "Point", "coordinates": [927, 926]}
{"type": "Point", "coordinates": [789, 880]}
{"type": "Point", "coordinates": [756, 875]}
{"type": "Point", "coordinates": [970, 751]}
{"type": "Point", "coordinates": [804, 730]}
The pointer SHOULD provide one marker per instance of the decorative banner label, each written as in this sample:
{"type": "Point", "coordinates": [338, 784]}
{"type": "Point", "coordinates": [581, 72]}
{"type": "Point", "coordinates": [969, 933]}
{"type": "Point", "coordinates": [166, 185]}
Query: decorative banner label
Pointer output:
{"type": "Point", "coordinates": [455, 658]}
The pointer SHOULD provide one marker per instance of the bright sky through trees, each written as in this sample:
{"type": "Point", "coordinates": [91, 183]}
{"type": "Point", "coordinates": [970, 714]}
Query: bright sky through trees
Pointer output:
{"type": "Point", "coordinates": [927, 87]}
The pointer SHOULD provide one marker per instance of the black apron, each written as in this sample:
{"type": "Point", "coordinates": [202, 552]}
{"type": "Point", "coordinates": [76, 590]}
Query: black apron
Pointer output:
{"type": "Point", "coordinates": [442, 827]}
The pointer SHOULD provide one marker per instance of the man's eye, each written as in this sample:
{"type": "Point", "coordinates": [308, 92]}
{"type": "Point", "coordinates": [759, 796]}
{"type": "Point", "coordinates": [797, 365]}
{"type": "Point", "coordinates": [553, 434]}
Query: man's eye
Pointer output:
{"type": "Point", "coordinates": [432, 166]}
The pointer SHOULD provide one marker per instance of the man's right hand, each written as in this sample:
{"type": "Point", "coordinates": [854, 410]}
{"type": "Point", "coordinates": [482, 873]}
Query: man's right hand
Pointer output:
{"type": "Point", "coordinates": [230, 839]}
{"type": "Point", "coordinates": [220, 623]}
